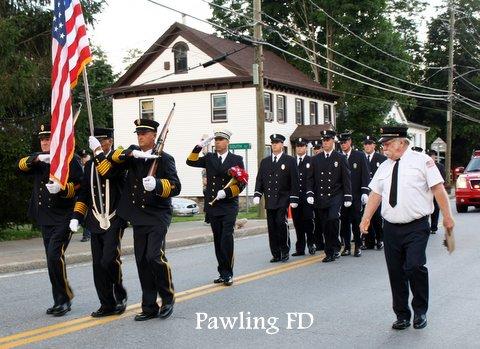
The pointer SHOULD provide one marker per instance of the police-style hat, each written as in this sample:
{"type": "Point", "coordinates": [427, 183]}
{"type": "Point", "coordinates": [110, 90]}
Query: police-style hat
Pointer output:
{"type": "Point", "coordinates": [316, 144]}
{"type": "Point", "coordinates": [301, 142]}
{"type": "Point", "coordinates": [418, 149]}
{"type": "Point", "coordinates": [102, 132]}
{"type": "Point", "coordinates": [432, 152]}
{"type": "Point", "coordinates": [369, 140]}
{"type": "Point", "coordinates": [277, 138]}
{"type": "Point", "coordinates": [328, 134]}
{"type": "Point", "coordinates": [143, 125]}
{"type": "Point", "coordinates": [390, 132]}
{"type": "Point", "coordinates": [44, 130]}
{"type": "Point", "coordinates": [345, 136]}
{"type": "Point", "coordinates": [223, 133]}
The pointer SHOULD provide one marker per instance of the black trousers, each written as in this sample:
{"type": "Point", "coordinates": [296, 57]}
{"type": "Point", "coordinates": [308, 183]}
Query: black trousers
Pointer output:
{"type": "Point", "coordinates": [375, 231]}
{"type": "Point", "coordinates": [278, 234]}
{"type": "Point", "coordinates": [350, 221]}
{"type": "Point", "coordinates": [153, 269]}
{"type": "Point", "coordinates": [434, 216]}
{"type": "Point", "coordinates": [56, 239]}
{"type": "Point", "coordinates": [405, 246]}
{"type": "Point", "coordinates": [303, 228]}
{"type": "Point", "coordinates": [330, 216]}
{"type": "Point", "coordinates": [222, 228]}
{"type": "Point", "coordinates": [318, 232]}
{"type": "Point", "coordinates": [107, 266]}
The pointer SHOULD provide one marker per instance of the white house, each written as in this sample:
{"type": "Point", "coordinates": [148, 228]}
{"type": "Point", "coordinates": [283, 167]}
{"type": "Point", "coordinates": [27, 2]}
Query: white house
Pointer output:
{"type": "Point", "coordinates": [221, 95]}
{"type": "Point", "coordinates": [417, 132]}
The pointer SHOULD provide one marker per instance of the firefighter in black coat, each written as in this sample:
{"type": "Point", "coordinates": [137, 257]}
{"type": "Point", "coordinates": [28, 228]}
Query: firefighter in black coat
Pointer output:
{"type": "Point", "coordinates": [303, 215]}
{"type": "Point", "coordinates": [223, 211]}
{"type": "Point", "coordinates": [360, 177]}
{"type": "Point", "coordinates": [51, 208]}
{"type": "Point", "coordinates": [146, 203]}
{"type": "Point", "coordinates": [277, 180]}
{"type": "Point", "coordinates": [107, 230]}
{"type": "Point", "coordinates": [374, 160]}
{"type": "Point", "coordinates": [328, 189]}
{"type": "Point", "coordinates": [436, 211]}
{"type": "Point", "coordinates": [319, 225]}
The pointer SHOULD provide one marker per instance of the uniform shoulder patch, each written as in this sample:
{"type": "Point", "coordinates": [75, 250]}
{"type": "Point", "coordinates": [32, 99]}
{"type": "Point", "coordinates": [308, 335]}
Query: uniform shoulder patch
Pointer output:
{"type": "Point", "coordinates": [430, 163]}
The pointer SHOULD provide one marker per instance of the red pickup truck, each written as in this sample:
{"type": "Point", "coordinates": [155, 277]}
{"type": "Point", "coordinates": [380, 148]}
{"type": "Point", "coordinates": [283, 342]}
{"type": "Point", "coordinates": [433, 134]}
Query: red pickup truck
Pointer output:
{"type": "Point", "coordinates": [467, 188]}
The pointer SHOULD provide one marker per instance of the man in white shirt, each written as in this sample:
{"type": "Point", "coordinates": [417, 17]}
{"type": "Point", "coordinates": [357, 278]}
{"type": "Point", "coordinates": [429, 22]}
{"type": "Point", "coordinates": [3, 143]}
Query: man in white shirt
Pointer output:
{"type": "Point", "coordinates": [405, 185]}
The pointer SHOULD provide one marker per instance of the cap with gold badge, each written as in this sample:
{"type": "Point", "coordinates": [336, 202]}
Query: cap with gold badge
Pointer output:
{"type": "Point", "coordinates": [143, 125]}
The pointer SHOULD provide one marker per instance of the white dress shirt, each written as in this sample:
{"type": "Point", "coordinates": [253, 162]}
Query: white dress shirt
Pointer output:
{"type": "Point", "coordinates": [417, 174]}
{"type": "Point", "coordinates": [300, 158]}
{"type": "Point", "coordinates": [223, 156]}
{"type": "Point", "coordinates": [278, 156]}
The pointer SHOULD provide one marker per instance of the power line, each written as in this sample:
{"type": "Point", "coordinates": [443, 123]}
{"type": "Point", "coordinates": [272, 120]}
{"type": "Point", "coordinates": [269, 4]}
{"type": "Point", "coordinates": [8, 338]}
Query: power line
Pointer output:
{"type": "Point", "coordinates": [469, 83]}
{"type": "Point", "coordinates": [467, 117]}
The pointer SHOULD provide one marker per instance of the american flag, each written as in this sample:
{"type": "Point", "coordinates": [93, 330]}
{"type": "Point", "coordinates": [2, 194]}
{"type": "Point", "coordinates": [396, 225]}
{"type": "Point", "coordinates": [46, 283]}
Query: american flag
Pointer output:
{"type": "Point", "coordinates": [70, 54]}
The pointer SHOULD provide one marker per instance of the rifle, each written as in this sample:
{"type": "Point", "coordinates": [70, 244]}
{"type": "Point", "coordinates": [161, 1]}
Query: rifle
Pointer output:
{"type": "Point", "coordinates": [158, 149]}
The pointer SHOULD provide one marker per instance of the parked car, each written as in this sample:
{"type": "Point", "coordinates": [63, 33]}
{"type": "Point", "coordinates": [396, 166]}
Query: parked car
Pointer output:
{"type": "Point", "coordinates": [467, 188]}
{"type": "Point", "coordinates": [184, 207]}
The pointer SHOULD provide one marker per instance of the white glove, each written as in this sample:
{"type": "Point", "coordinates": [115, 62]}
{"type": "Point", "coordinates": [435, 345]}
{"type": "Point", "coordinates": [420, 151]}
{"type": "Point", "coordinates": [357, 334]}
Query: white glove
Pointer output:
{"type": "Point", "coordinates": [44, 158]}
{"type": "Point", "coordinates": [205, 142]}
{"type": "Point", "coordinates": [347, 203]}
{"type": "Point", "coordinates": [73, 225]}
{"type": "Point", "coordinates": [221, 195]}
{"type": "Point", "coordinates": [293, 205]}
{"type": "Point", "coordinates": [138, 154]}
{"type": "Point", "coordinates": [364, 199]}
{"type": "Point", "coordinates": [256, 200]}
{"type": "Point", "coordinates": [53, 188]}
{"type": "Point", "coordinates": [94, 144]}
{"type": "Point", "coordinates": [149, 183]}
{"type": "Point", "coordinates": [310, 200]}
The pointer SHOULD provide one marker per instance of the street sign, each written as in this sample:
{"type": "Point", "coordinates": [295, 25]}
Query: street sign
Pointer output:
{"type": "Point", "coordinates": [439, 144]}
{"type": "Point", "coordinates": [240, 146]}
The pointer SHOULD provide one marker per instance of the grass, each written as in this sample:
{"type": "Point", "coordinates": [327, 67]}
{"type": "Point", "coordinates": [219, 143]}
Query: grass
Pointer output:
{"type": "Point", "coordinates": [21, 232]}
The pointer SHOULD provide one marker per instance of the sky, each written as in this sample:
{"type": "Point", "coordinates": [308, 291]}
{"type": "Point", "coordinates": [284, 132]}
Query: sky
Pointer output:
{"type": "Point", "coordinates": [137, 24]}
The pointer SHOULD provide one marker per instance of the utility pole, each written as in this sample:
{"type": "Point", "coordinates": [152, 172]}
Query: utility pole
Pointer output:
{"type": "Point", "coordinates": [448, 153]}
{"type": "Point", "coordinates": [329, 40]}
{"type": "Point", "coordinates": [258, 80]}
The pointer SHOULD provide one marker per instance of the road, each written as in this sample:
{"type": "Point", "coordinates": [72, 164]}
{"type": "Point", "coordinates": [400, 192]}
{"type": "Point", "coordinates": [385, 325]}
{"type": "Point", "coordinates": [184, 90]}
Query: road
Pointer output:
{"type": "Point", "coordinates": [349, 302]}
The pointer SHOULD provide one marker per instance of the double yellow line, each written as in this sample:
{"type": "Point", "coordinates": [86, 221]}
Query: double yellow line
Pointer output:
{"type": "Point", "coordinates": [62, 328]}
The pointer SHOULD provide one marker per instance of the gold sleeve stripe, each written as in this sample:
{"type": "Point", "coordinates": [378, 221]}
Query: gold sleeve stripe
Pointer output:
{"type": "Point", "coordinates": [70, 190]}
{"type": "Point", "coordinates": [235, 190]}
{"type": "Point", "coordinates": [80, 207]}
{"type": "Point", "coordinates": [23, 164]}
{"type": "Point", "coordinates": [166, 188]}
{"type": "Point", "coordinates": [193, 156]}
{"type": "Point", "coordinates": [116, 155]}
{"type": "Point", "coordinates": [104, 166]}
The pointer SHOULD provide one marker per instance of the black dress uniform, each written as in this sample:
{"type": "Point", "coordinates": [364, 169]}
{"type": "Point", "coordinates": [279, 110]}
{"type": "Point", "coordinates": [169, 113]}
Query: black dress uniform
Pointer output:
{"type": "Point", "coordinates": [52, 213]}
{"type": "Point", "coordinates": [375, 231]}
{"type": "Point", "coordinates": [351, 216]}
{"type": "Point", "coordinates": [277, 180]}
{"type": "Point", "coordinates": [222, 213]}
{"type": "Point", "coordinates": [303, 215]}
{"type": "Point", "coordinates": [330, 185]}
{"type": "Point", "coordinates": [105, 241]}
{"type": "Point", "coordinates": [319, 224]}
{"type": "Point", "coordinates": [150, 213]}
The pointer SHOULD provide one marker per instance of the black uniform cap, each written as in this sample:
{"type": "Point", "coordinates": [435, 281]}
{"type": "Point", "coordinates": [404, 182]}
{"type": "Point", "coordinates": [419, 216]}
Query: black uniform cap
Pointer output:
{"type": "Point", "coordinates": [146, 125]}
{"type": "Point", "coordinates": [102, 132]}
{"type": "Point", "coordinates": [301, 141]}
{"type": "Point", "coordinates": [390, 132]}
{"type": "Point", "coordinates": [432, 152]}
{"type": "Point", "coordinates": [317, 144]}
{"type": "Point", "coordinates": [44, 130]}
{"type": "Point", "coordinates": [345, 136]}
{"type": "Point", "coordinates": [277, 138]}
{"type": "Point", "coordinates": [369, 140]}
{"type": "Point", "coordinates": [418, 149]}
{"type": "Point", "coordinates": [327, 134]}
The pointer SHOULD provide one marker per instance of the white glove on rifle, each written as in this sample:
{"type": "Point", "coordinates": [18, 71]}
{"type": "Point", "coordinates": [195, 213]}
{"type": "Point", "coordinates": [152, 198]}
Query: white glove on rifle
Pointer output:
{"type": "Point", "coordinates": [73, 225]}
{"type": "Point", "coordinates": [221, 195]}
{"type": "Point", "coordinates": [53, 188]}
{"type": "Point", "coordinates": [138, 154]}
{"type": "Point", "coordinates": [205, 142]}
{"type": "Point", "coordinates": [256, 200]}
{"type": "Point", "coordinates": [310, 200]}
{"type": "Point", "coordinates": [293, 205]}
{"type": "Point", "coordinates": [347, 203]}
{"type": "Point", "coordinates": [149, 183]}
{"type": "Point", "coordinates": [364, 199]}
{"type": "Point", "coordinates": [44, 158]}
{"type": "Point", "coordinates": [94, 144]}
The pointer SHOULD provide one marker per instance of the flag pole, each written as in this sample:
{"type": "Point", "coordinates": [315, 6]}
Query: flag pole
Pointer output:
{"type": "Point", "coordinates": [90, 124]}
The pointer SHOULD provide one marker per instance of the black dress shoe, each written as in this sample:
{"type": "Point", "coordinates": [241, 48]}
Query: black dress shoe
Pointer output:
{"type": "Point", "coordinates": [145, 316]}
{"type": "Point", "coordinates": [228, 281]}
{"type": "Point", "coordinates": [220, 280]}
{"type": "Point", "coordinates": [284, 258]}
{"type": "Point", "coordinates": [275, 260]}
{"type": "Point", "coordinates": [120, 308]}
{"type": "Point", "coordinates": [61, 309]}
{"type": "Point", "coordinates": [357, 253]}
{"type": "Point", "coordinates": [166, 310]}
{"type": "Point", "coordinates": [346, 253]}
{"type": "Point", "coordinates": [50, 310]}
{"type": "Point", "coordinates": [336, 255]}
{"type": "Point", "coordinates": [433, 232]}
{"type": "Point", "coordinates": [295, 254]}
{"type": "Point", "coordinates": [419, 321]}
{"type": "Point", "coordinates": [401, 324]}
{"type": "Point", "coordinates": [101, 312]}
{"type": "Point", "coordinates": [328, 259]}
{"type": "Point", "coordinates": [311, 250]}
{"type": "Point", "coordinates": [379, 245]}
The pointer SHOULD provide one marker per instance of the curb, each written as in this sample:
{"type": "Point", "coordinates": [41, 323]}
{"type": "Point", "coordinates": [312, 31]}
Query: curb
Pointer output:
{"type": "Point", "coordinates": [126, 250]}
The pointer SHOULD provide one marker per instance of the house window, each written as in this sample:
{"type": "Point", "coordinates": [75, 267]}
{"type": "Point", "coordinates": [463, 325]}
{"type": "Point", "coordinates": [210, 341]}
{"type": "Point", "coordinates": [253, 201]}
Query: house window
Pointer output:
{"type": "Point", "coordinates": [281, 109]}
{"type": "Point", "coordinates": [146, 109]}
{"type": "Point", "coordinates": [313, 113]}
{"type": "Point", "coordinates": [268, 106]}
{"type": "Point", "coordinates": [268, 150]}
{"type": "Point", "coordinates": [299, 111]}
{"type": "Point", "coordinates": [327, 114]}
{"type": "Point", "coordinates": [219, 107]}
{"type": "Point", "coordinates": [180, 57]}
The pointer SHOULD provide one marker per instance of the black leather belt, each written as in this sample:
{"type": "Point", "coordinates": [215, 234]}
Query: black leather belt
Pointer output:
{"type": "Point", "coordinates": [420, 220]}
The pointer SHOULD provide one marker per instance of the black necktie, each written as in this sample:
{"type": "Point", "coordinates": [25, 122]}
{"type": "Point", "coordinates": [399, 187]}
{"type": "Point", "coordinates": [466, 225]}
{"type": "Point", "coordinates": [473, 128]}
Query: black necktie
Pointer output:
{"type": "Point", "coordinates": [300, 162]}
{"type": "Point", "coordinates": [274, 159]}
{"type": "Point", "coordinates": [368, 157]}
{"type": "Point", "coordinates": [393, 188]}
{"type": "Point", "coordinates": [326, 155]}
{"type": "Point", "coordinates": [220, 159]}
